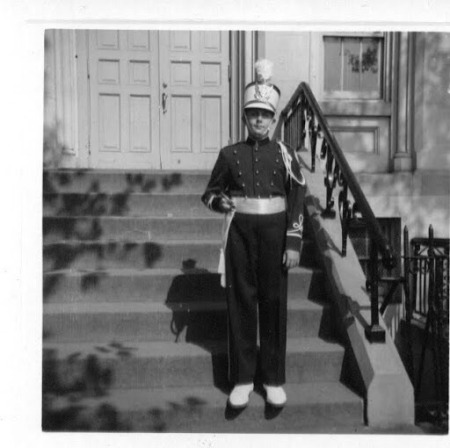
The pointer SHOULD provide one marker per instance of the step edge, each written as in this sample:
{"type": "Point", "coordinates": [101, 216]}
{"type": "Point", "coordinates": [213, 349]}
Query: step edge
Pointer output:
{"type": "Point", "coordinates": [159, 307]}
{"type": "Point", "coordinates": [216, 396]}
{"type": "Point", "coordinates": [139, 217]}
{"type": "Point", "coordinates": [127, 193]}
{"type": "Point", "coordinates": [184, 349]}
{"type": "Point", "coordinates": [164, 271]}
{"type": "Point", "coordinates": [167, 242]}
{"type": "Point", "coordinates": [123, 171]}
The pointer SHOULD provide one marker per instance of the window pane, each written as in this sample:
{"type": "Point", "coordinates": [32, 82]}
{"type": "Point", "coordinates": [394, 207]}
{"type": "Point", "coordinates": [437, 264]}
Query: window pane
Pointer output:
{"type": "Point", "coordinates": [352, 64]}
{"type": "Point", "coordinates": [370, 65]}
{"type": "Point", "coordinates": [333, 64]}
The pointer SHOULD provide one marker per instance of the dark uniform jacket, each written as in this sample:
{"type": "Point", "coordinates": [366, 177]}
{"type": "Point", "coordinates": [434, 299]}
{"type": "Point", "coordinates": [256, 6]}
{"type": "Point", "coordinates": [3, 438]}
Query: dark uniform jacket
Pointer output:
{"type": "Point", "coordinates": [256, 170]}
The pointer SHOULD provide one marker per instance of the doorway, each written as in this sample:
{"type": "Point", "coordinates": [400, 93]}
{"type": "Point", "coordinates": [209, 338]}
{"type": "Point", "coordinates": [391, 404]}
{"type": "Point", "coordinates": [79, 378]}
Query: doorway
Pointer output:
{"type": "Point", "coordinates": [158, 99]}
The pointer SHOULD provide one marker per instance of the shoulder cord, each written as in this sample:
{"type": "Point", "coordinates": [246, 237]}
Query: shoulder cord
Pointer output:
{"type": "Point", "coordinates": [287, 160]}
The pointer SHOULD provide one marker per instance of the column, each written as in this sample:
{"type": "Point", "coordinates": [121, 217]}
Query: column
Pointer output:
{"type": "Point", "coordinates": [65, 82]}
{"type": "Point", "coordinates": [243, 54]}
{"type": "Point", "coordinates": [402, 127]}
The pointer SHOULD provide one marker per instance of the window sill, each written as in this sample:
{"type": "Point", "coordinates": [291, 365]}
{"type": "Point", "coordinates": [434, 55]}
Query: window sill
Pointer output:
{"type": "Point", "coordinates": [356, 108]}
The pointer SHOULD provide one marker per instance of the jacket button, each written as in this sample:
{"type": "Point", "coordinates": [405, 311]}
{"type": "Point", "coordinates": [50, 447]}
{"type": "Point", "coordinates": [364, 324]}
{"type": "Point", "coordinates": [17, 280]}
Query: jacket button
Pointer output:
{"type": "Point", "coordinates": [272, 184]}
{"type": "Point", "coordinates": [237, 162]}
{"type": "Point", "coordinates": [277, 160]}
{"type": "Point", "coordinates": [240, 173]}
{"type": "Point", "coordinates": [256, 159]}
{"type": "Point", "coordinates": [274, 172]}
{"type": "Point", "coordinates": [257, 172]}
{"type": "Point", "coordinates": [234, 152]}
{"type": "Point", "coordinates": [243, 185]}
{"type": "Point", "coordinates": [257, 184]}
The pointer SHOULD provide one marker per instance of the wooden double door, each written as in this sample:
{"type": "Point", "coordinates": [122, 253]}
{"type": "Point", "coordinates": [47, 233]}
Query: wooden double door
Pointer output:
{"type": "Point", "coordinates": [158, 99]}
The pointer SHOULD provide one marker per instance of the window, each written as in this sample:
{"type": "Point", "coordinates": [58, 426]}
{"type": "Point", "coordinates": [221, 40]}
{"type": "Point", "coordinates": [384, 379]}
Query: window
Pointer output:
{"type": "Point", "coordinates": [353, 66]}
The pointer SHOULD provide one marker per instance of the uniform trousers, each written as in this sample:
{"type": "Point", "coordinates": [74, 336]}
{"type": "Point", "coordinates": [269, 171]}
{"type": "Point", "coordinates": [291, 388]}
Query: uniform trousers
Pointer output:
{"type": "Point", "coordinates": [256, 288]}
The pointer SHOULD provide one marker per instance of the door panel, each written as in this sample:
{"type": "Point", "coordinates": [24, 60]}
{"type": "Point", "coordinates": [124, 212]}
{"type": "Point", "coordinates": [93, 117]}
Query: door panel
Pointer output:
{"type": "Point", "coordinates": [212, 129]}
{"type": "Point", "coordinates": [124, 82]}
{"type": "Point", "coordinates": [158, 99]}
{"type": "Point", "coordinates": [194, 76]}
{"type": "Point", "coordinates": [364, 142]}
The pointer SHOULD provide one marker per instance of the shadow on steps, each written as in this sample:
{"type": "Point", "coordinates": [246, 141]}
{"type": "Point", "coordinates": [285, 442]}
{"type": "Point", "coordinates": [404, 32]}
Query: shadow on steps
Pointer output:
{"type": "Point", "coordinates": [188, 297]}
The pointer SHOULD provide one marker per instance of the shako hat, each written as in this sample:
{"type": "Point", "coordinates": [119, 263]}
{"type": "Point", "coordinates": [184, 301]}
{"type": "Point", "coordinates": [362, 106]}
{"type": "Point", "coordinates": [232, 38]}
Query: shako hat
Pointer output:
{"type": "Point", "coordinates": [262, 94]}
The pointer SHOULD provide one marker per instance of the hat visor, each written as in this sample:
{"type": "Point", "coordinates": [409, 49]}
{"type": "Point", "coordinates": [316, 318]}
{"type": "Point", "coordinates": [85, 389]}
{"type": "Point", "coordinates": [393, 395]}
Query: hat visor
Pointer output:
{"type": "Point", "coordinates": [259, 105]}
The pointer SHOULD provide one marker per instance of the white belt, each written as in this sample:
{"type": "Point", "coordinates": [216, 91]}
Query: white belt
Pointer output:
{"type": "Point", "coordinates": [259, 206]}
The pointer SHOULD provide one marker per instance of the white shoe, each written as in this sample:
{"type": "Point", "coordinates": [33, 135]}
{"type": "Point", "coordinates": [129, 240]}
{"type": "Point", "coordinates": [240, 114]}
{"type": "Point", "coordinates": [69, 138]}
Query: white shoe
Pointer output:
{"type": "Point", "coordinates": [240, 395]}
{"type": "Point", "coordinates": [275, 395]}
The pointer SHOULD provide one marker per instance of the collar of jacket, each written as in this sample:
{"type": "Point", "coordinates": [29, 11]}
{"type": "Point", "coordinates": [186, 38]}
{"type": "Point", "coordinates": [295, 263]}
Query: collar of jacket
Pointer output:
{"type": "Point", "coordinates": [251, 141]}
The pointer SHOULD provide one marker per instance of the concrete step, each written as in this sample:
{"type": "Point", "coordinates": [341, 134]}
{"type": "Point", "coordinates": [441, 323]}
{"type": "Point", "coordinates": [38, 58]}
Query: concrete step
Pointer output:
{"type": "Point", "coordinates": [110, 181]}
{"type": "Point", "coordinates": [160, 285]}
{"type": "Point", "coordinates": [130, 255]}
{"type": "Point", "coordinates": [106, 228]}
{"type": "Point", "coordinates": [125, 204]}
{"type": "Point", "coordinates": [168, 364]}
{"type": "Point", "coordinates": [120, 228]}
{"type": "Point", "coordinates": [88, 255]}
{"type": "Point", "coordinates": [320, 407]}
{"type": "Point", "coordinates": [191, 322]}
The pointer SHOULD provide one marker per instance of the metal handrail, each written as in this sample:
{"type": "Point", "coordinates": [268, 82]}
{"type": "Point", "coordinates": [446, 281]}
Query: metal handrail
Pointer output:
{"type": "Point", "coordinates": [364, 208]}
{"type": "Point", "coordinates": [303, 115]}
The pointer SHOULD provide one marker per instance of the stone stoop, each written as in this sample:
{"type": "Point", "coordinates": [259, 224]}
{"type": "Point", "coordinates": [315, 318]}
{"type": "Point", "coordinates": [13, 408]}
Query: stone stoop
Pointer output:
{"type": "Point", "coordinates": [135, 319]}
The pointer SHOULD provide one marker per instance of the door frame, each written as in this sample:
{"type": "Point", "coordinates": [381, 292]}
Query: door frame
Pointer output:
{"type": "Point", "coordinates": [243, 54]}
{"type": "Point", "coordinates": [83, 98]}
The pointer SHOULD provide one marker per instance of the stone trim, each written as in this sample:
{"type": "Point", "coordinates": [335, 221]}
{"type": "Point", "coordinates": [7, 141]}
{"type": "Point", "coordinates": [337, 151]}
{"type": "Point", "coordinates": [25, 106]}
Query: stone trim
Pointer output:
{"type": "Point", "coordinates": [243, 56]}
{"type": "Point", "coordinates": [402, 125]}
{"type": "Point", "coordinates": [66, 91]}
{"type": "Point", "coordinates": [389, 394]}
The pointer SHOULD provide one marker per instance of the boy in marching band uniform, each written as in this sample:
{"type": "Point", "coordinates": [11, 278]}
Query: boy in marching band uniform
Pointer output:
{"type": "Point", "coordinates": [259, 187]}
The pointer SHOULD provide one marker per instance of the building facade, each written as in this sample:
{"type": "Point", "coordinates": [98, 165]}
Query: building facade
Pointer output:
{"type": "Point", "coordinates": [169, 100]}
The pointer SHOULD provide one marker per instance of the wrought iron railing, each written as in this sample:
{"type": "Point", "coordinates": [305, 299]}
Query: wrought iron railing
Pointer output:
{"type": "Point", "coordinates": [303, 118]}
{"type": "Point", "coordinates": [426, 287]}
{"type": "Point", "coordinates": [428, 270]}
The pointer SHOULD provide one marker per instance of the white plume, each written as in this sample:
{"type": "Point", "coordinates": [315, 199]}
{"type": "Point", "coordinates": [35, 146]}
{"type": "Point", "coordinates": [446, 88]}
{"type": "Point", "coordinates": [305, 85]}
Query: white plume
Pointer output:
{"type": "Point", "coordinates": [263, 68]}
